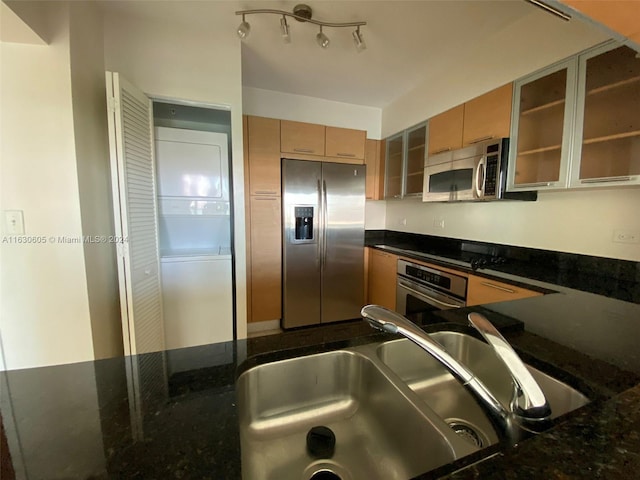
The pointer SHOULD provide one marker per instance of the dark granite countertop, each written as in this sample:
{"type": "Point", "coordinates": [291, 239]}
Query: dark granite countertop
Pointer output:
{"type": "Point", "coordinates": [173, 414]}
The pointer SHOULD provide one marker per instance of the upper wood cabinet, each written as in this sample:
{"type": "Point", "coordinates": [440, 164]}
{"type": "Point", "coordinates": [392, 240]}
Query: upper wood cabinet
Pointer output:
{"type": "Point", "coordinates": [607, 132]}
{"type": "Point", "coordinates": [405, 156]}
{"type": "Point", "coordinates": [445, 130]}
{"type": "Point", "coordinates": [263, 147]}
{"type": "Point", "coordinates": [374, 161]}
{"type": "Point", "coordinates": [482, 290]}
{"type": "Point", "coordinates": [345, 143]}
{"type": "Point", "coordinates": [383, 268]}
{"type": "Point", "coordinates": [544, 107]}
{"type": "Point", "coordinates": [577, 123]}
{"type": "Point", "coordinates": [619, 15]}
{"type": "Point", "coordinates": [303, 138]}
{"type": "Point", "coordinates": [488, 116]}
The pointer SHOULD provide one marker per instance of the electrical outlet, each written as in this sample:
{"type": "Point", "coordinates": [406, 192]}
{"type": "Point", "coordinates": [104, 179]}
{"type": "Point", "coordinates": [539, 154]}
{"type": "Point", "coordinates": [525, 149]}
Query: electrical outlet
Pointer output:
{"type": "Point", "coordinates": [438, 223]}
{"type": "Point", "coordinates": [626, 236]}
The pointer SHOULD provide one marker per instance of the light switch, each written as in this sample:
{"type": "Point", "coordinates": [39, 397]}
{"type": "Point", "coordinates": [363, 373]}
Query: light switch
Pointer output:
{"type": "Point", "coordinates": [13, 222]}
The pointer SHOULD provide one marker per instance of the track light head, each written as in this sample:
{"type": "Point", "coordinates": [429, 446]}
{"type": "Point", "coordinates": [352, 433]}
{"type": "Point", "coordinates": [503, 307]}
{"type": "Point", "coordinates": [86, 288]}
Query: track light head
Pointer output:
{"type": "Point", "coordinates": [284, 30]}
{"type": "Point", "coordinates": [359, 41]}
{"type": "Point", "coordinates": [243, 29]}
{"type": "Point", "coordinates": [322, 39]}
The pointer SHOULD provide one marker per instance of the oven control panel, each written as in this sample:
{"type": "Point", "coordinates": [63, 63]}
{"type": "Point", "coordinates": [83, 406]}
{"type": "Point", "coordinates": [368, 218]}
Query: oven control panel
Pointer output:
{"type": "Point", "coordinates": [444, 281]}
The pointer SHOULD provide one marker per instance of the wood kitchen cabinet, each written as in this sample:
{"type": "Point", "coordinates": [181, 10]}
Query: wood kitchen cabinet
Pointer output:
{"type": "Point", "coordinates": [303, 138]}
{"type": "Point", "coordinates": [374, 161]}
{"type": "Point", "coordinates": [488, 116]}
{"type": "Point", "coordinates": [345, 143]}
{"type": "Point", "coordinates": [266, 258]}
{"type": "Point", "coordinates": [445, 130]}
{"type": "Point", "coordinates": [263, 218]}
{"type": "Point", "coordinates": [482, 290]}
{"type": "Point", "coordinates": [544, 104]}
{"type": "Point", "coordinates": [607, 140]}
{"type": "Point", "coordinates": [619, 15]}
{"type": "Point", "coordinates": [263, 146]}
{"type": "Point", "coordinates": [383, 268]}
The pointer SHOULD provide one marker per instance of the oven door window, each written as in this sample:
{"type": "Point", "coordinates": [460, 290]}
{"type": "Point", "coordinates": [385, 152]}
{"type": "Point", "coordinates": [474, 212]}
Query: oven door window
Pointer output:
{"type": "Point", "coordinates": [420, 312]}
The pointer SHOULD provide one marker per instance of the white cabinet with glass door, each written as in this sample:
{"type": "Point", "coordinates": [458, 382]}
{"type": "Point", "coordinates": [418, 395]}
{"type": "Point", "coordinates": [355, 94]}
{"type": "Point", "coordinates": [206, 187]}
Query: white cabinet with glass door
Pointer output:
{"type": "Point", "coordinates": [405, 157]}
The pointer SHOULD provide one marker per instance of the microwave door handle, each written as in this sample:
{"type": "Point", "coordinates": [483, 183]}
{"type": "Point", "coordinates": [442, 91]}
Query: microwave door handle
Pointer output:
{"type": "Point", "coordinates": [479, 183]}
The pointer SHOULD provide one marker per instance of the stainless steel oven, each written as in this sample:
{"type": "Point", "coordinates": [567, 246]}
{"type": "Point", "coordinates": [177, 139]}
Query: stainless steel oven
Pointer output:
{"type": "Point", "coordinates": [423, 290]}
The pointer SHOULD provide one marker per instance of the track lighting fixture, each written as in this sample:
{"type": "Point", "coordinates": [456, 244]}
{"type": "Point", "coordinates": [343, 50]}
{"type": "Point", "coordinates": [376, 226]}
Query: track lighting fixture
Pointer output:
{"type": "Point", "coordinates": [243, 29]}
{"type": "Point", "coordinates": [303, 13]}
{"type": "Point", "coordinates": [284, 30]}
{"type": "Point", "coordinates": [358, 40]}
{"type": "Point", "coordinates": [322, 39]}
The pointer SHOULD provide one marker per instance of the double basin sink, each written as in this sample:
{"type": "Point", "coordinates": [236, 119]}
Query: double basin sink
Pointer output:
{"type": "Point", "coordinates": [391, 411]}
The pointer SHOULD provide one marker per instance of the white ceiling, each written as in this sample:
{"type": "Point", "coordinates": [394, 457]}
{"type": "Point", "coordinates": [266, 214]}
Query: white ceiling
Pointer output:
{"type": "Point", "coordinates": [407, 41]}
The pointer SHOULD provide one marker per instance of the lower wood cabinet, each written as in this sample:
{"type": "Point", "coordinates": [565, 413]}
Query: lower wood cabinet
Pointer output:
{"type": "Point", "coordinates": [266, 258]}
{"type": "Point", "coordinates": [382, 278]}
{"type": "Point", "coordinates": [482, 290]}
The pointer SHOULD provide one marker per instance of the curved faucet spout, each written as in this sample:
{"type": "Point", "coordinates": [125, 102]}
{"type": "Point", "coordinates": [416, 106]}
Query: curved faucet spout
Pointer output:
{"type": "Point", "coordinates": [391, 322]}
{"type": "Point", "coordinates": [529, 402]}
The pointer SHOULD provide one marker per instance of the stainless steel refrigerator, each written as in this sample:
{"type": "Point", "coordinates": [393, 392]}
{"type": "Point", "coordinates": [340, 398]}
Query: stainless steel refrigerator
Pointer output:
{"type": "Point", "coordinates": [323, 242]}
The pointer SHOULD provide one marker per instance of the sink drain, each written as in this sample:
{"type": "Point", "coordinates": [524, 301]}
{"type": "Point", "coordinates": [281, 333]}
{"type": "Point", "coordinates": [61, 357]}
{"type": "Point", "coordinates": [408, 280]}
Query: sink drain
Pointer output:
{"type": "Point", "coordinates": [467, 432]}
{"type": "Point", "coordinates": [325, 475]}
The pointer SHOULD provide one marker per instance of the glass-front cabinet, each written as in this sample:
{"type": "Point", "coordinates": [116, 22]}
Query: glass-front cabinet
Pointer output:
{"type": "Point", "coordinates": [577, 123]}
{"type": "Point", "coordinates": [542, 122]}
{"type": "Point", "coordinates": [405, 163]}
{"type": "Point", "coordinates": [416, 150]}
{"type": "Point", "coordinates": [607, 146]}
{"type": "Point", "coordinates": [395, 161]}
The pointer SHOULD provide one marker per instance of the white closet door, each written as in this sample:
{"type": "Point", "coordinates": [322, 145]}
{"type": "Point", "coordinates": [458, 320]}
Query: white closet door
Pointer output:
{"type": "Point", "coordinates": [134, 197]}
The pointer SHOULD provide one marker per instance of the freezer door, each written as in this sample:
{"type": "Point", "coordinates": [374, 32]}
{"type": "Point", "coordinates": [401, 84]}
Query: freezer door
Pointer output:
{"type": "Point", "coordinates": [301, 181]}
{"type": "Point", "coordinates": [343, 249]}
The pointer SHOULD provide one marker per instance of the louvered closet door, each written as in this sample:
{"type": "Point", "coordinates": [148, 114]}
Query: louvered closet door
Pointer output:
{"type": "Point", "coordinates": [133, 180]}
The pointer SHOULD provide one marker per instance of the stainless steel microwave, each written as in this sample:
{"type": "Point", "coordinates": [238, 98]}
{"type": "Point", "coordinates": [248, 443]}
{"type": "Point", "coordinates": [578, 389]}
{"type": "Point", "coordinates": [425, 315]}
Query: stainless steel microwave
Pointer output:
{"type": "Point", "coordinates": [474, 173]}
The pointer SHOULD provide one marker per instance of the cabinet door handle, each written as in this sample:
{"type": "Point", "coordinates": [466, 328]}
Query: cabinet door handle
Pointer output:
{"type": "Point", "coordinates": [442, 150]}
{"type": "Point", "coordinates": [265, 192]}
{"type": "Point", "coordinates": [304, 150]}
{"type": "Point", "coordinates": [605, 180]}
{"type": "Point", "coordinates": [346, 154]}
{"type": "Point", "coordinates": [265, 198]}
{"type": "Point", "coordinates": [498, 287]}
{"type": "Point", "coordinates": [481, 139]}
{"type": "Point", "coordinates": [538, 184]}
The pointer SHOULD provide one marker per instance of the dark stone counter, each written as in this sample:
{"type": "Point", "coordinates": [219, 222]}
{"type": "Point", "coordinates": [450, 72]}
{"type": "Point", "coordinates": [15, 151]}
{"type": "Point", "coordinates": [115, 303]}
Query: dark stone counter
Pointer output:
{"type": "Point", "coordinates": [173, 414]}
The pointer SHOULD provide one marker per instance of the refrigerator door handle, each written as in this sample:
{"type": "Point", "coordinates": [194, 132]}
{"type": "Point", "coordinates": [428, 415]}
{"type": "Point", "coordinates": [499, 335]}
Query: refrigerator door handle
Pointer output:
{"type": "Point", "coordinates": [325, 214]}
{"type": "Point", "coordinates": [319, 215]}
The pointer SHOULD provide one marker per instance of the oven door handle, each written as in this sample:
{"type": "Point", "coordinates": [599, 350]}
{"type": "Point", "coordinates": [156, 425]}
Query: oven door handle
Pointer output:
{"type": "Point", "coordinates": [422, 294]}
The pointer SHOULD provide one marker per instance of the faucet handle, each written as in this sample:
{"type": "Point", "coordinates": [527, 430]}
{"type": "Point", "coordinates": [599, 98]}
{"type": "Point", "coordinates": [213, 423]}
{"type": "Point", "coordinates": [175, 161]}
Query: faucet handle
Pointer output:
{"type": "Point", "coordinates": [530, 402]}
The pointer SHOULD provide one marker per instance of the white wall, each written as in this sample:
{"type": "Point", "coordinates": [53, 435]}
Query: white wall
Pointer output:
{"type": "Point", "coordinates": [287, 106]}
{"type": "Point", "coordinates": [198, 63]}
{"type": "Point", "coordinates": [92, 153]}
{"type": "Point", "coordinates": [519, 49]}
{"type": "Point", "coordinates": [375, 215]}
{"type": "Point", "coordinates": [570, 221]}
{"type": "Point", "coordinates": [44, 309]}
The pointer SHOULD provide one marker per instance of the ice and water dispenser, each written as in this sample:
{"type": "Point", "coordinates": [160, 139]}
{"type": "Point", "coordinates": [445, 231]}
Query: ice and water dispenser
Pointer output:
{"type": "Point", "coordinates": [304, 224]}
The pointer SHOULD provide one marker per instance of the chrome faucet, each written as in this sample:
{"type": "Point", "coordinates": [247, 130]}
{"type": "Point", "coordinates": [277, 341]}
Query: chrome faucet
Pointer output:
{"type": "Point", "coordinates": [528, 403]}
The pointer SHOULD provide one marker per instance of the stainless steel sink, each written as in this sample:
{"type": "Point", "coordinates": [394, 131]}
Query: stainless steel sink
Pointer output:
{"type": "Point", "coordinates": [379, 432]}
{"type": "Point", "coordinates": [394, 410]}
{"type": "Point", "coordinates": [449, 399]}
